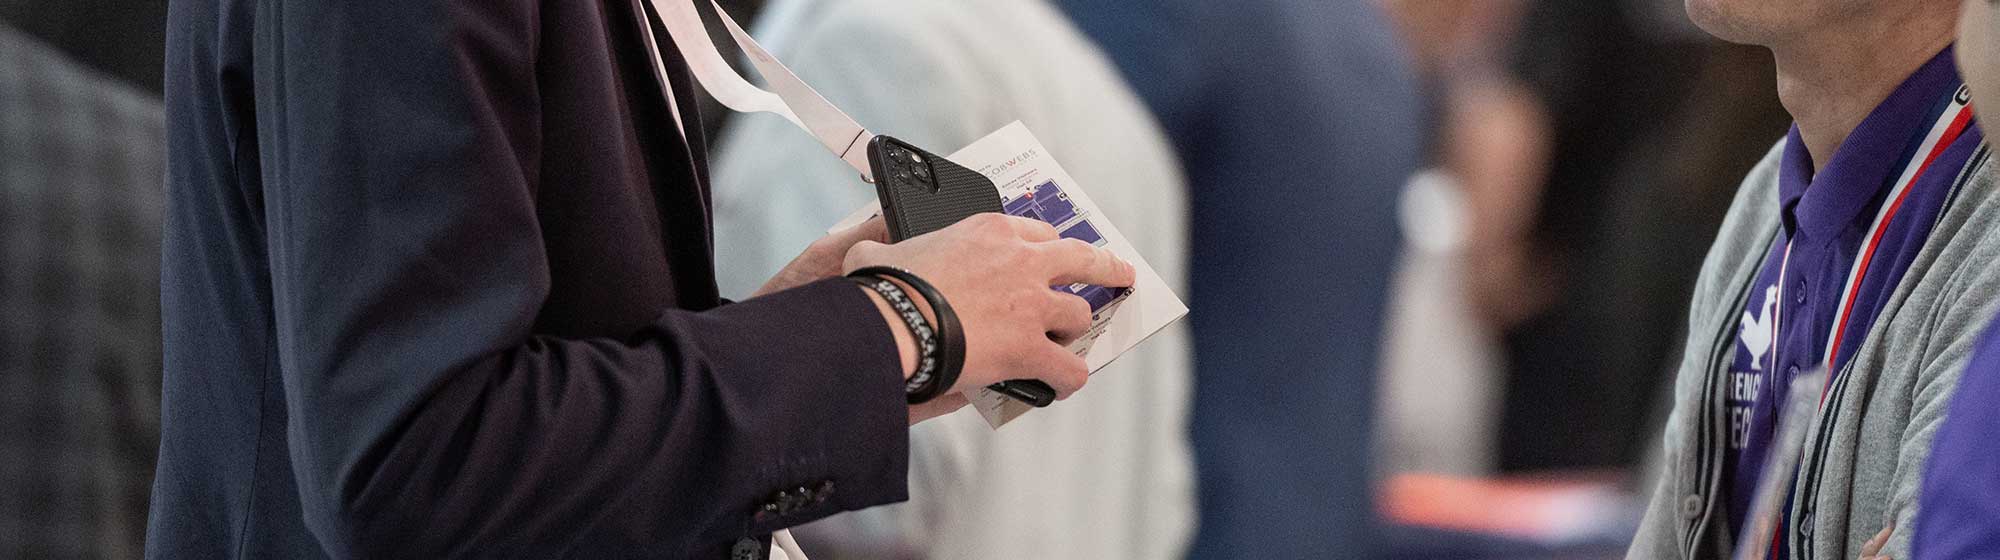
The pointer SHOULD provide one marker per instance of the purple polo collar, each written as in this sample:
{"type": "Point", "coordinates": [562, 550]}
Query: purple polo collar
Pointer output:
{"type": "Point", "coordinates": [1868, 161]}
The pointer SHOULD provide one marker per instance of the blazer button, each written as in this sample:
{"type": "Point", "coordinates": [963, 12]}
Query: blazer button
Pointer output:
{"type": "Point", "coordinates": [1691, 506]}
{"type": "Point", "coordinates": [822, 492]}
{"type": "Point", "coordinates": [797, 499]}
{"type": "Point", "coordinates": [783, 500]}
{"type": "Point", "coordinates": [765, 513]}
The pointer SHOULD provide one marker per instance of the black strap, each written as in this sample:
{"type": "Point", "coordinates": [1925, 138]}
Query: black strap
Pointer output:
{"type": "Point", "coordinates": [949, 331]}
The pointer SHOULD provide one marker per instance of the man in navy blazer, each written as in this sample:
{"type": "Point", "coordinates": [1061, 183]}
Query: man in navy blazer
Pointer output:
{"type": "Point", "coordinates": [437, 281]}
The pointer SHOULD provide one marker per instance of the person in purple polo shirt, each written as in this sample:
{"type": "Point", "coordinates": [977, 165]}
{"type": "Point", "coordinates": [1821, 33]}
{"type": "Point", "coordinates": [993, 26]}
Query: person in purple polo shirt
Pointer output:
{"type": "Point", "coordinates": [1853, 248]}
{"type": "Point", "coordinates": [1960, 518]}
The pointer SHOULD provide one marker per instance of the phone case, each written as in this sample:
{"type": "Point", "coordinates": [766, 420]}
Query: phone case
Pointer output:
{"type": "Point", "coordinates": [922, 192]}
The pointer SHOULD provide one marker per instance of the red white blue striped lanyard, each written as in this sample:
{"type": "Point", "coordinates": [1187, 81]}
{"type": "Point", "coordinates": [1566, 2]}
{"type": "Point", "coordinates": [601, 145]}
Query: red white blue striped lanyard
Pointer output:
{"type": "Point", "coordinates": [1951, 123]}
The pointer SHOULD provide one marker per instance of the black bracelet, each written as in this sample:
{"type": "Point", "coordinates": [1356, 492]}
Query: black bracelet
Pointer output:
{"type": "Point", "coordinates": [949, 334]}
{"type": "Point", "coordinates": [921, 386]}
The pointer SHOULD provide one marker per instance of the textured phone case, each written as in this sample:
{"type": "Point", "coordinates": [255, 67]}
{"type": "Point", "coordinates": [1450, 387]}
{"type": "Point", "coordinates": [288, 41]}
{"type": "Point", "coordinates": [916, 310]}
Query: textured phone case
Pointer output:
{"type": "Point", "coordinates": [925, 193]}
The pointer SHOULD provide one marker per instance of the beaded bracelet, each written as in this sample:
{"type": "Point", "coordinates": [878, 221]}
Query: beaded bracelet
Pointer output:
{"type": "Point", "coordinates": [941, 350]}
{"type": "Point", "coordinates": [921, 386]}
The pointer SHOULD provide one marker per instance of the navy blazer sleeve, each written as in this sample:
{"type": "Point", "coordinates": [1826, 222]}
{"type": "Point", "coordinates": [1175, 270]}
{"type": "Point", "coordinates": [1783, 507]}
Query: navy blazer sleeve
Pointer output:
{"type": "Point", "coordinates": [395, 144]}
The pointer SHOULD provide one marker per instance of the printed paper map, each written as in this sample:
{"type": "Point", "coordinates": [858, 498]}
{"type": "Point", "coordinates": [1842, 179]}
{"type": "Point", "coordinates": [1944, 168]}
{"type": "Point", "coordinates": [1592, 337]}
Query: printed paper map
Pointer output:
{"type": "Point", "coordinates": [1033, 185]}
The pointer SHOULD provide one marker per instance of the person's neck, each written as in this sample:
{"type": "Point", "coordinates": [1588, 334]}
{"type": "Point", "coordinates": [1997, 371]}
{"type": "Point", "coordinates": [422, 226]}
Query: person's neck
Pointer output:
{"type": "Point", "coordinates": [1831, 78]}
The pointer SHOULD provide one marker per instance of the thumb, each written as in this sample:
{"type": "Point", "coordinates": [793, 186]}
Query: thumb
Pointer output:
{"type": "Point", "coordinates": [1873, 547]}
{"type": "Point", "coordinates": [1077, 262]}
{"type": "Point", "coordinates": [875, 229]}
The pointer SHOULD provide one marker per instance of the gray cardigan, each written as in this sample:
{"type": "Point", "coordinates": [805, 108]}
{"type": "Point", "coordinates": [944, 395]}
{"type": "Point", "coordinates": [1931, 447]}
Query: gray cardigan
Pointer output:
{"type": "Point", "coordinates": [1866, 450]}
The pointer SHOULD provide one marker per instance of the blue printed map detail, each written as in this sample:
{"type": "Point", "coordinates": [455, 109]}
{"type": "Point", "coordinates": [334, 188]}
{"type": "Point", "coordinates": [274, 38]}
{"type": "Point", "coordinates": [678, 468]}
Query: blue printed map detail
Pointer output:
{"type": "Point", "coordinates": [1047, 203]}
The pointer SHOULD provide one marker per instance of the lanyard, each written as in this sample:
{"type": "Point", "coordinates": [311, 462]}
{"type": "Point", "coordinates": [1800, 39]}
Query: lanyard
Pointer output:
{"type": "Point", "coordinates": [792, 98]}
{"type": "Point", "coordinates": [1950, 124]}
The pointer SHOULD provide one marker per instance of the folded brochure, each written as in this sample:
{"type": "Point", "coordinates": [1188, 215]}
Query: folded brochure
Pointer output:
{"type": "Point", "coordinates": [1033, 185]}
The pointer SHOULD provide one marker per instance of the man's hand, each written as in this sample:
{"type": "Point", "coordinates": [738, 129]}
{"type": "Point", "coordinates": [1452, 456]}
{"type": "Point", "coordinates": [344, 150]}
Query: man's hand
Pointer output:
{"type": "Point", "coordinates": [1872, 550]}
{"type": "Point", "coordinates": [995, 271]}
{"type": "Point", "coordinates": [823, 258]}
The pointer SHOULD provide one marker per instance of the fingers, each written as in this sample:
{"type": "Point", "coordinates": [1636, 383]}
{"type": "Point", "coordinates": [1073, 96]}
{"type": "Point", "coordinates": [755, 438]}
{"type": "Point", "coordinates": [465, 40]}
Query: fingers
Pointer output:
{"type": "Point", "coordinates": [840, 242]}
{"type": "Point", "coordinates": [1064, 371]}
{"type": "Point", "coordinates": [1068, 318]}
{"type": "Point", "coordinates": [1873, 549]}
{"type": "Point", "coordinates": [1075, 262]}
{"type": "Point", "coordinates": [875, 229]}
{"type": "Point", "coordinates": [1031, 230]}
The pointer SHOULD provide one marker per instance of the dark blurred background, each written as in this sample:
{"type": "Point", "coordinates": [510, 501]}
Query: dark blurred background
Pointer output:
{"type": "Point", "coordinates": [123, 39]}
{"type": "Point", "coordinates": [81, 164]}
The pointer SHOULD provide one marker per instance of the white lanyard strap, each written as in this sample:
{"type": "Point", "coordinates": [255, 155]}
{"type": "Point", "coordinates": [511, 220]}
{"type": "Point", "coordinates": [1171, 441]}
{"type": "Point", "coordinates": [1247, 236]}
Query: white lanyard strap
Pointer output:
{"type": "Point", "coordinates": [1932, 145]}
{"type": "Point", "coordinates": [793, 100]}
{"type": "Point", "coordinates": [1935, 142]}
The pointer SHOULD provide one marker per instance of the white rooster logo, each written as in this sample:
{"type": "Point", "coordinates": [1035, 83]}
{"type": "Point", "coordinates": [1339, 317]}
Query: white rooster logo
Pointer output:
{"type": "Point", "coordinates": [1757, 330]}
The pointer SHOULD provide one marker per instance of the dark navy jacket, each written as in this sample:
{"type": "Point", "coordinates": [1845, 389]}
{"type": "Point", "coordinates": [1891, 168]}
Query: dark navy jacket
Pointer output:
{"type": "Point", "coordinates": [437, 282]}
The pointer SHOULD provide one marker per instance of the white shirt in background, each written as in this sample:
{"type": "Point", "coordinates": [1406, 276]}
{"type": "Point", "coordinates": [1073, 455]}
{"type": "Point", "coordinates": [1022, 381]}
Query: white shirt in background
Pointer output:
{"type": "Point", "coordinates": [1106, 474]}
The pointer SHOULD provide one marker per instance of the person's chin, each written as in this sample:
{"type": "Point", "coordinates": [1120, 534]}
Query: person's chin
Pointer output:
{"type": "Point", "coordinates": [1978, 54]}
{"type": "Point", "coordinates": [1735, 21]}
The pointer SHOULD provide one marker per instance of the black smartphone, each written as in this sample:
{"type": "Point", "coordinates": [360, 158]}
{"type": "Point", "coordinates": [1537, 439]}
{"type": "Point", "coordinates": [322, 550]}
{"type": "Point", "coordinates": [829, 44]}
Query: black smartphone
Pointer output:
{"type": "Point", "coordinates": [922, 192]}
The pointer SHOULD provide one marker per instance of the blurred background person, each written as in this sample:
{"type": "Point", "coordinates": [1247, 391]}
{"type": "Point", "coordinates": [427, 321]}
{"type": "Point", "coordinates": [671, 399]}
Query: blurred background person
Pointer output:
{"type": "Point", "coordinates": [1103, 475]}
{"type": "Point", "coordinates": [1441, 380]}
{"type": "Point", "coordinates": [1572, 257]}
{"type": "Point", "coordinates": [1298, 123]}
{"type": "Point", "coordinates": [81, 156]}
{"type": "Point", "coordinates": [122, 40]}
{"type": "Point", "coordinates": [1584, 155]}
{"type": "Point", "coordinates": [1643, 113]}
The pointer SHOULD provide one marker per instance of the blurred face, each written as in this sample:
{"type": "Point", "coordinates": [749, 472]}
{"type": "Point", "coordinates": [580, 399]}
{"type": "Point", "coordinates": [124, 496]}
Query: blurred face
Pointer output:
{"type": "Point", "coordinates": [1764, 22]}
{"type": "Point", "coordinates": [1978, 53]}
